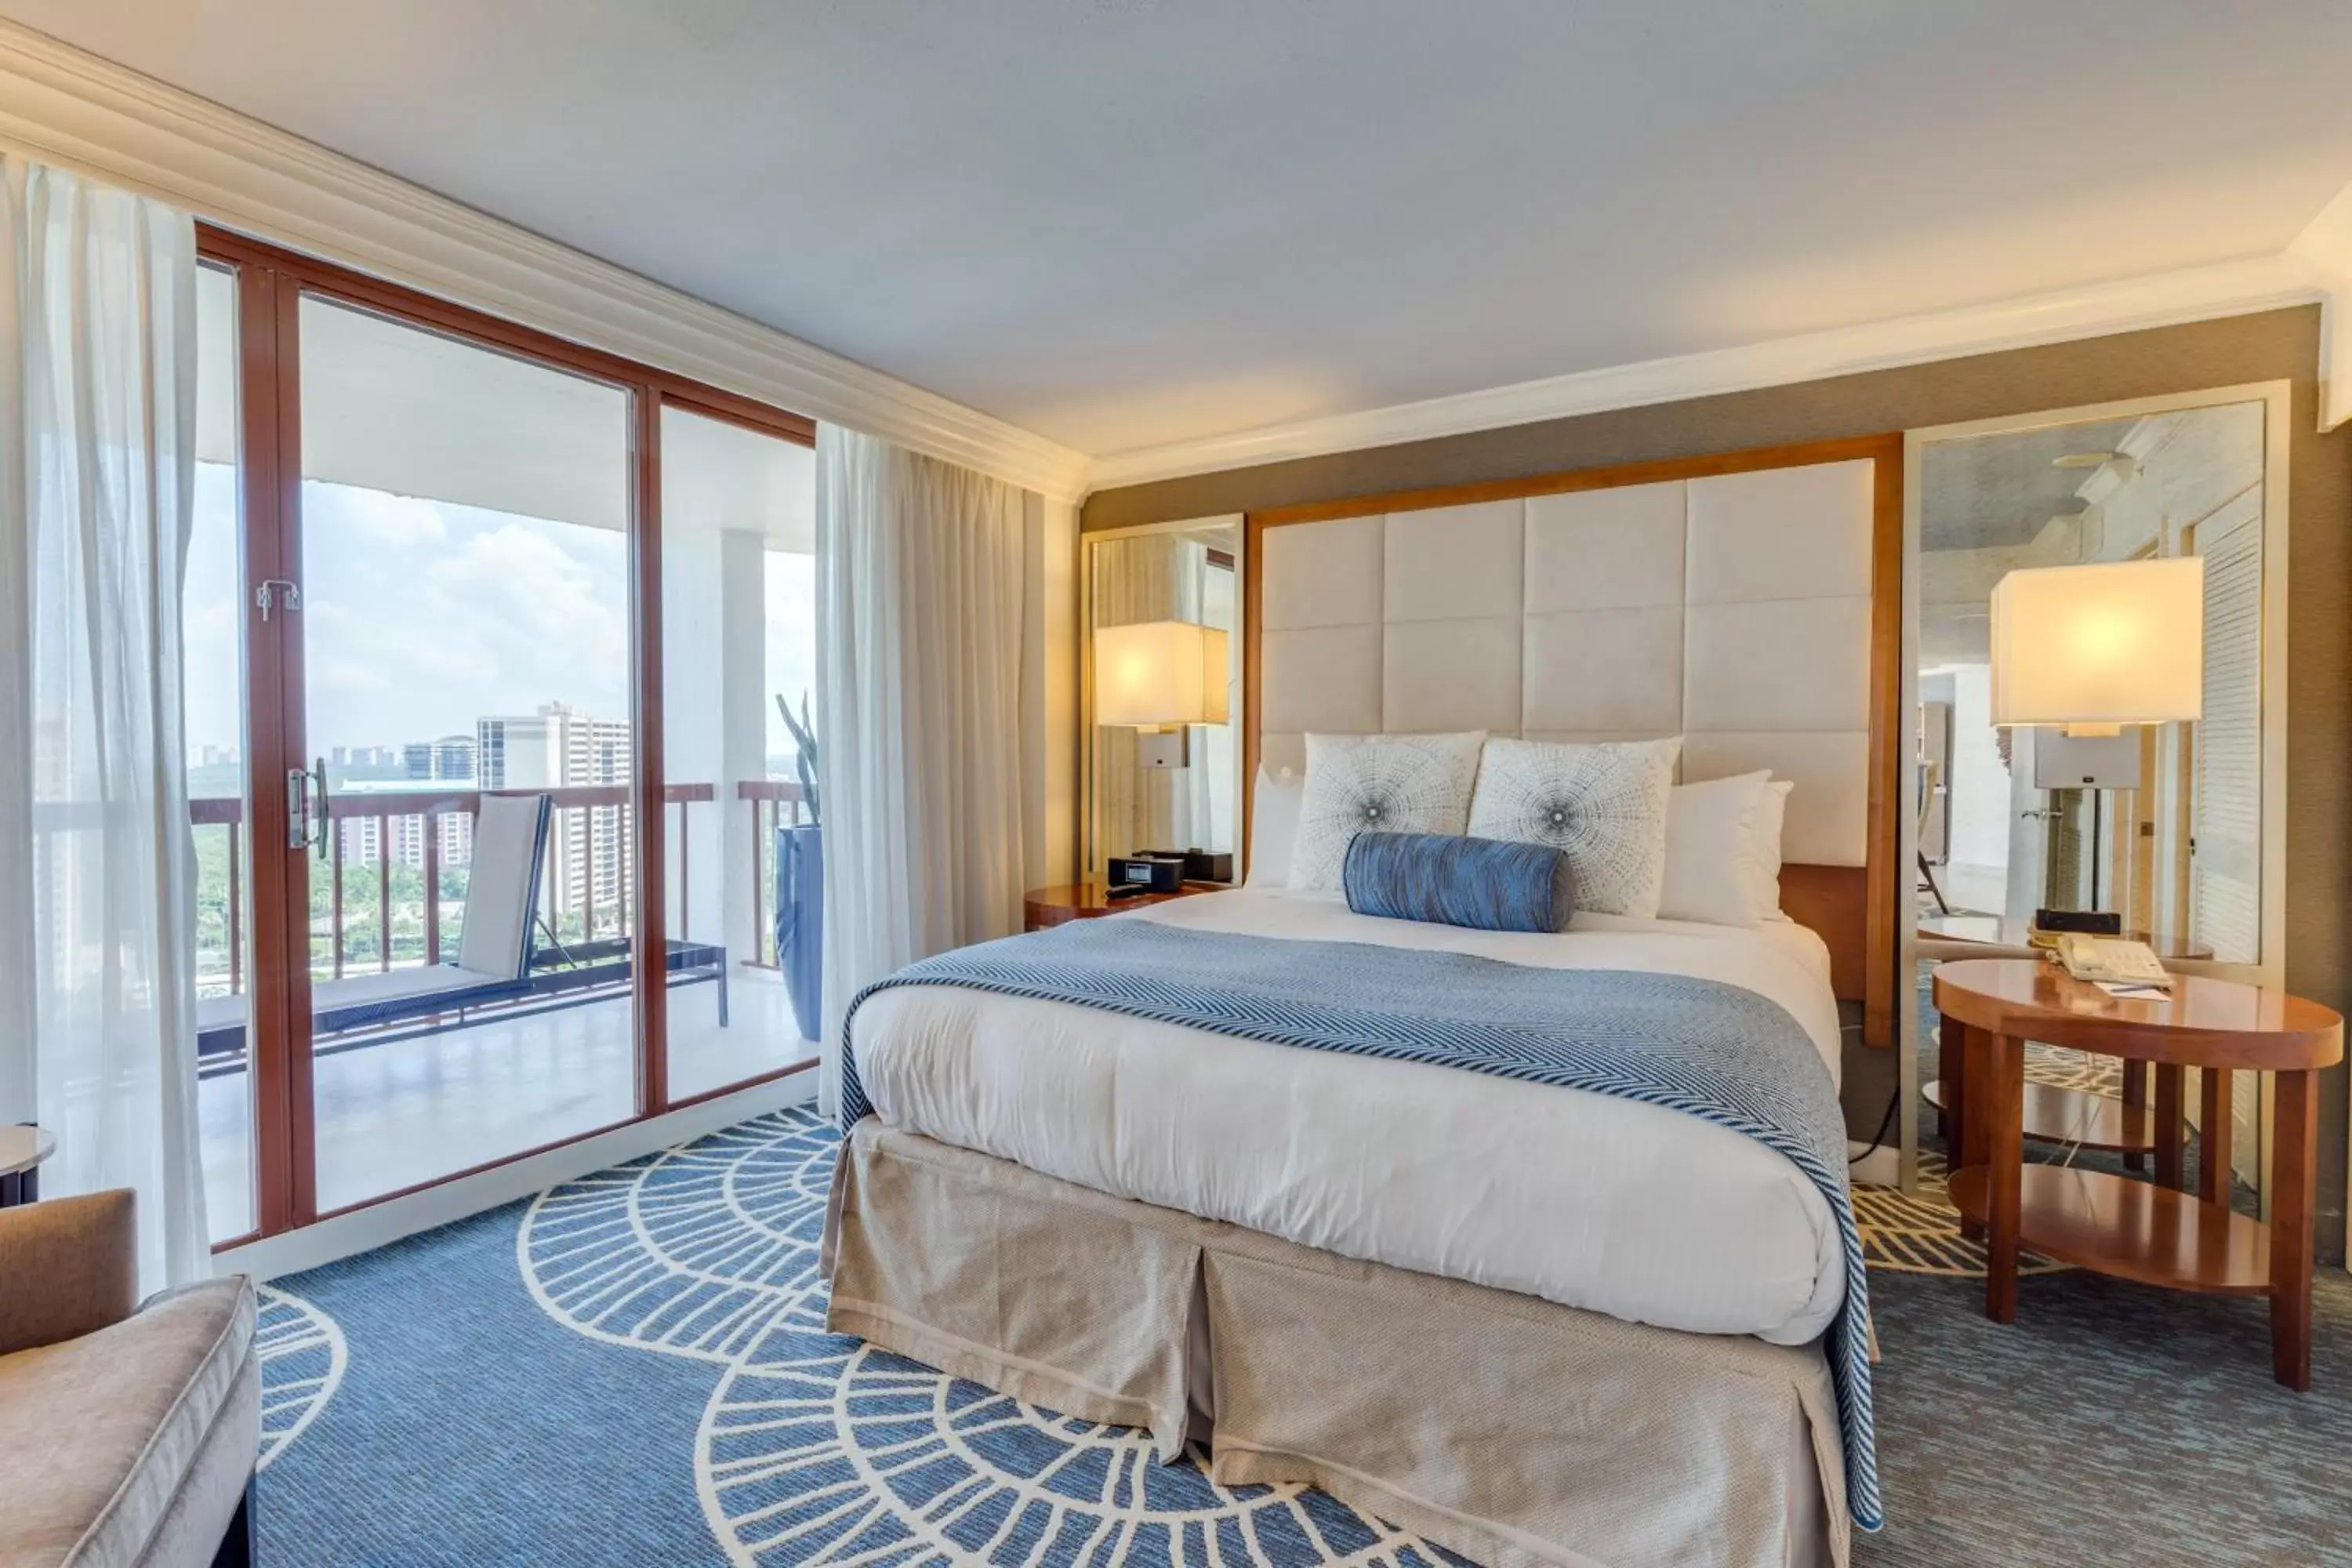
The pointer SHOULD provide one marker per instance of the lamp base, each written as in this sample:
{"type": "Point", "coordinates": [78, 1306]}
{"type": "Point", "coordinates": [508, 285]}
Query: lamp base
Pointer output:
{"type": "Point", "coordinates": [1163, 748]}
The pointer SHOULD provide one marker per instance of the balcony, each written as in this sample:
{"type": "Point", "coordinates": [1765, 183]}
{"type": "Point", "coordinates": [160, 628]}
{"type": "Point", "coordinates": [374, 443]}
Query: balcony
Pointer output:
{"type": "Point", "coordinates": [399, 1103]}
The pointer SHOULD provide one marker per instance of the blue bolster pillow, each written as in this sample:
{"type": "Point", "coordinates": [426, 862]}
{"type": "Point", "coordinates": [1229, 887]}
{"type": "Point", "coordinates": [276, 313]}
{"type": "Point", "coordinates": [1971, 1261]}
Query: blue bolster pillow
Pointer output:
{"type": "Point", "coordinates": [1485, 883]}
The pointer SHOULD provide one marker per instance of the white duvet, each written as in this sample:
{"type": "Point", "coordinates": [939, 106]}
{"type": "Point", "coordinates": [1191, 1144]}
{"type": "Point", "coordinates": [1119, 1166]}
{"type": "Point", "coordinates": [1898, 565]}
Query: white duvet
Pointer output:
{"type": "Point", "coordinates": [1643, 1213]}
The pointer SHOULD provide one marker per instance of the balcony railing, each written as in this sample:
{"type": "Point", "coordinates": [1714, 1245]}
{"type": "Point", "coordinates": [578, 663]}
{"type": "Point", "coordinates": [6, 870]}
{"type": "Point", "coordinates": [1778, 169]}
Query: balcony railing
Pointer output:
{"type": "Point", "coordinates": [584, 894]}
{"type": "Point", "coordinates": [775, 804]}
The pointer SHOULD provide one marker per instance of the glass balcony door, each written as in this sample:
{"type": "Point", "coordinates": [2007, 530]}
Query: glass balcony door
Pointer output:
{"type": "Point", "coordinates": [745, 892]}
{"type": "Point", "coordinates": [456, 906]}
{"type": "Point", "coordinates": [465, 523]}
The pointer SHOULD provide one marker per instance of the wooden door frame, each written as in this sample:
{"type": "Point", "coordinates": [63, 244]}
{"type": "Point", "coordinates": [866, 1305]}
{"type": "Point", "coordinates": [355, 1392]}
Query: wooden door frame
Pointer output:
{"type": "Point", "coordinates": [271, 282]}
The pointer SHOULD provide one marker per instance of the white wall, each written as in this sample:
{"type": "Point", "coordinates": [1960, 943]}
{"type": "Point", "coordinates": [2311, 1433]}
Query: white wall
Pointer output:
{"type": "Point", "coordinates": [1979, 803]}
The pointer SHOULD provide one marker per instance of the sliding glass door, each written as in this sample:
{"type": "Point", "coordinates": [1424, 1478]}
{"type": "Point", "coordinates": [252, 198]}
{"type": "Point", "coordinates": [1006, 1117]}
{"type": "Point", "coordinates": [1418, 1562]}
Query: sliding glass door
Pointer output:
{"type": "Point", "coordinates": [466, 717]}
{"type": "Point", "coordinates": [745, 897]}
{"type": "Point", "coordinates": [454, 907]}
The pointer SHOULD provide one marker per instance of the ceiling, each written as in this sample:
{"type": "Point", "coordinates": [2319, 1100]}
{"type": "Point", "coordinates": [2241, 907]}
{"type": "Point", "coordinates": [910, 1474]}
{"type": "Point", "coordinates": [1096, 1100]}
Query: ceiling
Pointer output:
{"type": "Point", "coordinates": [1120, 223]}
{"type": "Point", "coordinates": [1991, 491]}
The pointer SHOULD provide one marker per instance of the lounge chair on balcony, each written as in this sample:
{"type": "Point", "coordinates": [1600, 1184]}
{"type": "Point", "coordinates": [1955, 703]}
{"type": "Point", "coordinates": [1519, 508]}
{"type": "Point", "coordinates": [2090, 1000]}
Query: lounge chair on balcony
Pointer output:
{"type": "Point", "coordinates": [494, 947]}
{"type": "Point", "coordinates": [498, 961]}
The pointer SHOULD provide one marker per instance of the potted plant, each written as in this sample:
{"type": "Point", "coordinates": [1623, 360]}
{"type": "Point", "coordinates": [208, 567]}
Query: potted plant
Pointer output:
{"type": "Point", "coordinates": [800, 884]}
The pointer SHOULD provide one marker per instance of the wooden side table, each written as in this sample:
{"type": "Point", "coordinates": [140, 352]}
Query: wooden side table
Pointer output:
{"type": "Point", "coordinates": [1043, 908]}
{"type": "Point", "coordinates": [2144, 1231]}
{"type": "Point", "coordinates": [2052, 1115]}
{"type": "Point", "coordinates": [22, 1150]}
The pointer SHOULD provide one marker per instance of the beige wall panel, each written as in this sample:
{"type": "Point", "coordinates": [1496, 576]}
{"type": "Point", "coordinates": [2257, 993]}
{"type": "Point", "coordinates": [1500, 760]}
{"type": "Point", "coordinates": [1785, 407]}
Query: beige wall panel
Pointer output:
{"type": "Point", "coordinates": [1829, 809]}
{"type": "Point", "coordinates": [1604, 669]}
{"type": "Point", "coordinates": [1456, 563]}
{"type": "Point", "coordinates": [1781, 533]}
{"type": "Point", "coordinates": [1323, 574]}
{"type": "Point", "coordinates": [1446, 676]}
{"type": "Point", "coordinates": [1787, 664]}
{"type": "Point", "coordinates": [1605, 550]}
{"type": "Point", "coordinates": [1323, 679]}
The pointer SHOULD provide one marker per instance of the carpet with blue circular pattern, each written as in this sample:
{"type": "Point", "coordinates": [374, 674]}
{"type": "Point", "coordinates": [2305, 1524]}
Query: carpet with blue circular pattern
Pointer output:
{"type": "Point", "coordinates": [633, 1368]}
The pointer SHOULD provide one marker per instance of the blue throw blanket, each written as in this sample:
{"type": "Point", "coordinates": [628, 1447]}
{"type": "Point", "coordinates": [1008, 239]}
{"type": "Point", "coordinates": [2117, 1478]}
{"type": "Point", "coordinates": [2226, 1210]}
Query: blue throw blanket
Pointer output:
{"type": "Point", "coordinates": [1707, 1049]}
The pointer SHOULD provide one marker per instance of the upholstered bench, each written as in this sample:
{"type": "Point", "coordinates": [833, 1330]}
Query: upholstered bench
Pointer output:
{"type": "Point", "coordinates": [132, 1430]}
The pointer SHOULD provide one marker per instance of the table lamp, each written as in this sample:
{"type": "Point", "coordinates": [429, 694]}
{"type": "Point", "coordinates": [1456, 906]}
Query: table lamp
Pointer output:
{"type": "Point", "coordinates": [2089, 649]}
{"type": "Point", "coordinates": [1157, 677]}
{"type": "Point", "coordinates": [2092, 648]}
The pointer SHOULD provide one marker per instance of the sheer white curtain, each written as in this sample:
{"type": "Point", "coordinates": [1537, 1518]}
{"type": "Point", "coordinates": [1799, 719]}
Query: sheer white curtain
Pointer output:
{"type": "Point", "coordinates": [98, 349]}
{"type": "Point", "coordinates": [918, 605]}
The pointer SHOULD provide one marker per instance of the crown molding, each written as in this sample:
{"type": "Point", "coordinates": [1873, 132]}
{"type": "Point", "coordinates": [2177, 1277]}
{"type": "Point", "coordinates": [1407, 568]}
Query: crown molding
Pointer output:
{"type": "Point", "coordinates": [2164, 299]}
{"type": "Point", "coordinates": [67, 107]}
{"type": "Point", "coordinates": [2322, 255]}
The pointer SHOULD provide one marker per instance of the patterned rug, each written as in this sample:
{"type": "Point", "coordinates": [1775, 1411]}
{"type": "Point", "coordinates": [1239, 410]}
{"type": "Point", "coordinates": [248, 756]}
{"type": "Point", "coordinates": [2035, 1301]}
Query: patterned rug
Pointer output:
{"type": "Point", "coordinates": [632, 1372]}
{"type": "Point", "coordinates": [1920, 1232]}
{"type": "Point", "coordinates": [686, 1286]}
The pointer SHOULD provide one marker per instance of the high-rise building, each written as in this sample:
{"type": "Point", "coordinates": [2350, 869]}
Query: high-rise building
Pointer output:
{"type": "Point", "coordinates": [453, 758]}
{"type": "Point", "coordinates": [561, 748]}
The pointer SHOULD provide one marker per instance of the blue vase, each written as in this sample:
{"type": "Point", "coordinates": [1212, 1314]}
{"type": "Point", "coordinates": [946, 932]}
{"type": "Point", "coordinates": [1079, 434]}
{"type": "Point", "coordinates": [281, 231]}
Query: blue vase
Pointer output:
{"type": "Point", "coordinates": [800, 923]}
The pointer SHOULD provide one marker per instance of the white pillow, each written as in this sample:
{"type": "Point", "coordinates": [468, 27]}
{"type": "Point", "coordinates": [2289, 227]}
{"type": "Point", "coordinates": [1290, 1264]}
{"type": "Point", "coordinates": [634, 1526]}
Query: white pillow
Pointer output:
{"type": "Point", "coordinates": [1718, 868]}
{"type": "Point", "coordinates": [1604, 805]}
{"type": "Point", "coordinates": [1392, 783]}
{"type": "Point", "coordinates": [1769, 824]}
{"type": "Point", "coordinates": [1273, 826]}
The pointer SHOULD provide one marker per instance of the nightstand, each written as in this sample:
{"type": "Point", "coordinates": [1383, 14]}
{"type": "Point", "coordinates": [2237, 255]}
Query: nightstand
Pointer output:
{"type": "Point", "coordinates": [2144, 1231]}
{"type": "Point", "coordinates": [1047, 906]}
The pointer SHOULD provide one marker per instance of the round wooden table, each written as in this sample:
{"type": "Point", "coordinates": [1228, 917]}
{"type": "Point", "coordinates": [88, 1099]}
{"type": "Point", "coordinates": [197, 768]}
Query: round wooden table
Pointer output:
{"type": "Point", "coordinates": [2052, 1115]}
{"type": "Point", "coordinates": [2150, 1232]}
{"type": "Point", "coordinates": [22, 1150]}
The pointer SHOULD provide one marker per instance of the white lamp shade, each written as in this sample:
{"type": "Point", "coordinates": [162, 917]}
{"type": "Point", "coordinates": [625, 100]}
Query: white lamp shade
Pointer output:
{"type": "Point", "coordinates": [2092, 648]}
{"type": "Point", "coordinates": [1154, 674]}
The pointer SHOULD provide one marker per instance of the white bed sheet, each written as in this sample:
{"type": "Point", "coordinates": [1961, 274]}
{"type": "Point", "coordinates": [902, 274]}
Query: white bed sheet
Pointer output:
{"type": "Point", "coordinates": [1607, 1205]}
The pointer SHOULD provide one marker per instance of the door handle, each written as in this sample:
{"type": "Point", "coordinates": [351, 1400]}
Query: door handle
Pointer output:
{"type": "Point", "coordinates": [306, 798]}
{"type": "Point", "coordinates": [319, 777]}
{"type": "Point", "coordinates": [297, 808]}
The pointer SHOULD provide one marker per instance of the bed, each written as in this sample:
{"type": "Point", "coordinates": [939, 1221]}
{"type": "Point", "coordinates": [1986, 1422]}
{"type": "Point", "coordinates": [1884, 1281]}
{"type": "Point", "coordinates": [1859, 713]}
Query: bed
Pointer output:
{"type": "Point", "coordinates": [1684, 1226]}
{"type": "Point", "coordinates": [1536, 1323]}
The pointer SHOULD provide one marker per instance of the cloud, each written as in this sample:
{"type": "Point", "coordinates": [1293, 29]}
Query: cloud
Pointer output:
{"type": "Point", "coordinates": [421, 616]}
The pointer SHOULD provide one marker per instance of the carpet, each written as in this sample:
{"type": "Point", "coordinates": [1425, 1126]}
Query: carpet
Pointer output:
{"type": "Point", "coordinates": [632, 1370]}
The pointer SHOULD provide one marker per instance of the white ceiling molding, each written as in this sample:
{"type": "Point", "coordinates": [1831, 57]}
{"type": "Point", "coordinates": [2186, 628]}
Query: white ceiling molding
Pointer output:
{"type": "Point", "coordinates": [2198, 293]}
{"type": "Point", "coordinates": [69, 107]}
{"type": "Point", "coordinates": [2322, 254]}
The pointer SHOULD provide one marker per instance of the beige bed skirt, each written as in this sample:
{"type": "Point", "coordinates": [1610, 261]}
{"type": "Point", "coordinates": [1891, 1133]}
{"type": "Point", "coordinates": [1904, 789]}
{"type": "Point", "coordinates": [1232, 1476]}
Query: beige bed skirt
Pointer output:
{"type": "Point", "coordinates": [1504, 1427]}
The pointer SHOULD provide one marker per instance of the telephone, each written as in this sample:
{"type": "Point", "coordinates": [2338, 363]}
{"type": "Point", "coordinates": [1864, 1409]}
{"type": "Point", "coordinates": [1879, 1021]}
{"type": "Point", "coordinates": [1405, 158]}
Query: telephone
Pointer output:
{"type": "Point", "coordinates": [2111, 959]}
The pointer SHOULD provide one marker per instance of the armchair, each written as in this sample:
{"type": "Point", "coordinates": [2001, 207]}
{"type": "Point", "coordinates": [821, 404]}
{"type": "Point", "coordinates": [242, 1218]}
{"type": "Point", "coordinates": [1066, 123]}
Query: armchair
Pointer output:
{"type": "Point", "coordinates": [132, 1429]}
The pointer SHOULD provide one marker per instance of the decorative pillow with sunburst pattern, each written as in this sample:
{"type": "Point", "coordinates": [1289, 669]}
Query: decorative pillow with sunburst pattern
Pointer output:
{"type": "Point", "coordinates": [1604, 805]}
{"type": "Point", "coordinates": [1391, 783]}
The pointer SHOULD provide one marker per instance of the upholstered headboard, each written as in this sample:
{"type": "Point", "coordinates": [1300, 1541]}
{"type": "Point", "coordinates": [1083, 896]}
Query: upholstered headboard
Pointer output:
{"type": "Point", "coordinates": [1747, 602]}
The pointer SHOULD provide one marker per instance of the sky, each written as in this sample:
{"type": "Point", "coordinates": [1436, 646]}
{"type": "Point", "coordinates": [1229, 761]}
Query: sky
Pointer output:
{"type": "Point", "coordinates": [422, 615]}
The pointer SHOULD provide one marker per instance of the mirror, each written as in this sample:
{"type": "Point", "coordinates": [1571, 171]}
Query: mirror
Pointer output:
{"type": "Point", "coordinates": [1163, 659]}
{"type": "Point", "coordinates": [2162, 823]}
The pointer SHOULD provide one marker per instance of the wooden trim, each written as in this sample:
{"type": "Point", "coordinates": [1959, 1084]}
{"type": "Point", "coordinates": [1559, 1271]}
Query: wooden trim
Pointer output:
{"type": "Point", "coordinates": [790, 1069]}
{"type": "Point", "coordinates": [648, 945]}
{"type": "Point", "coordinates": [413, 307]}
{"type": "Point", "coordinates": [1661, 471]}
{"type": "Point", "coordinates": [1882, 984]}
{"type": "Point", "coordinates": [280, 897]}
{"type": "Point", "coordinates": [729, 409]}
{"type": "Point", "coordinates": [1858, 922]}
{"type": "Point", "coordinates": [1254, 526]}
